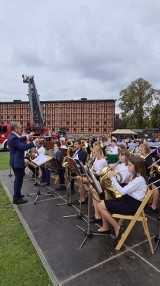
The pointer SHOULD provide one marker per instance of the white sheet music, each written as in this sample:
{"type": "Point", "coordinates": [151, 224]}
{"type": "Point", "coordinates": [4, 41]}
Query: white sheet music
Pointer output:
{"type": "Point", "coordinates": [41, 159]}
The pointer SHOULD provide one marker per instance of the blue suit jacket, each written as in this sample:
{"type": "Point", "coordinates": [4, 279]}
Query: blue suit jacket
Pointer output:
{"type": "Point", "coordinates": [17, 147]}
{"type": "Point", "coordinates": [82, 156]}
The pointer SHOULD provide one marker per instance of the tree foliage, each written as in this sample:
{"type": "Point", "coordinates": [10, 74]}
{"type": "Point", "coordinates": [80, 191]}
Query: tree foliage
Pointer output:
{"type": "Point", "coordinates": [136, 103]}
{"type": "Point", "coordinates": [155, 116]}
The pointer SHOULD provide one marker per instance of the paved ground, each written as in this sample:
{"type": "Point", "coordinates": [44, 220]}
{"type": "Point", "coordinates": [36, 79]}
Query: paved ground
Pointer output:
{"type": "Point", "coordinates": [57, 241]}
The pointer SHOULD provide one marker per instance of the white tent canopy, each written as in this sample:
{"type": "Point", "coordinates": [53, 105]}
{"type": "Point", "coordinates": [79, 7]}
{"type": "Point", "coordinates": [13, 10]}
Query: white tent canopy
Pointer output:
{"type": "Point", "coordinates": [123, 132]}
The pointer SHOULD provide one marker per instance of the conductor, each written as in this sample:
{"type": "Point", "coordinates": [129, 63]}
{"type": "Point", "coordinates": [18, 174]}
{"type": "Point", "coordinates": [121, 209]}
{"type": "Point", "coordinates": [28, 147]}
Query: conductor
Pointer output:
{"type": "Point", "coordinates": [17, 146]}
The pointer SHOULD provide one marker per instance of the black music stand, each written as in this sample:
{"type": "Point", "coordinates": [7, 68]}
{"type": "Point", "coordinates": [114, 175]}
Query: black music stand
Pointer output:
{"type": "Point", "coordinates": [74, 168]}
{"type": "Point", "coordinates": [36, 163]}
{"type": "Point", "coordinates": [88, 232]}
{"type": "Point", "coordinates": [157, 237]}
{"type": "Point", "coordinates": [54, 165]}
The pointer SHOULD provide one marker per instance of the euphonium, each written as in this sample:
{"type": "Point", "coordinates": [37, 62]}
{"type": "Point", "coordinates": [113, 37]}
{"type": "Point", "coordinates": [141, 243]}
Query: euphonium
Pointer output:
{"type": "Point", "coordinates": [106, 184]}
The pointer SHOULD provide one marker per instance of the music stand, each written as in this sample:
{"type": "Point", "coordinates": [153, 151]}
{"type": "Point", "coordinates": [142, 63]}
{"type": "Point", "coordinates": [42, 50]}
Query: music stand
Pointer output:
{"type": "Point", "coordinates": [91, 181]}
{"type": "Point", "coordinates": [157, 238]}
{"type": "Point", "coordinates": [74, 168]}
{"type": "Point", "coordinates": [53, 165]}
{"type": "Point", "coordinates": [36, 163]}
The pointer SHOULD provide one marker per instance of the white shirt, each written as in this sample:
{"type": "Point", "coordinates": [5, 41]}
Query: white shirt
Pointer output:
{"type": "Point", "coordinates": [123, 169]}
{"type": "Point", "coordinates": [75, 155]}
{"type": "Point", "coordinates": [41, 150]}
{"type": "Point", "coordinates": [114, 149]}
{"type": "Point", "coordinates": [136, 188]}
{"type": "Point", "coordinates": [98, 165]}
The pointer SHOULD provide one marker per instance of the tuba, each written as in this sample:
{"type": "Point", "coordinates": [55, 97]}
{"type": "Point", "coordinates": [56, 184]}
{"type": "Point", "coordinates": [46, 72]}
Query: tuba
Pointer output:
{"type": "Point", "coordinates": [106, 184]}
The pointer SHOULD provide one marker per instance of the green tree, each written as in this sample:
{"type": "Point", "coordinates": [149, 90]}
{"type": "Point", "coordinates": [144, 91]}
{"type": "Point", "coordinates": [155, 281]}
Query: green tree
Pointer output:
{"type": "Point", "coordinates": [136, 103]}
{"type": "Point", "coordinates": [155, 116]}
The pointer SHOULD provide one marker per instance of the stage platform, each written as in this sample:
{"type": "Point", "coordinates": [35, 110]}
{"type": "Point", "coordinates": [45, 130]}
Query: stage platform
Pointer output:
{"type": "Point", "coordinates": [57, 241]}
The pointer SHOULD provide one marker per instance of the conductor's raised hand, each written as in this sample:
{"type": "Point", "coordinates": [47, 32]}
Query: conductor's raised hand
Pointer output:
{"type": "Point", "coordinates": [32, 133]}
{"type": "Point", "coordinates": [36, 141]}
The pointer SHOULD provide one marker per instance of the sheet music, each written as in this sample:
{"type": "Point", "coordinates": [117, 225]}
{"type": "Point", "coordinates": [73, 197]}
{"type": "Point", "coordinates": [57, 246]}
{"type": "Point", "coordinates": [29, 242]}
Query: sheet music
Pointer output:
{"type": "Point", "coordinates": [96, 183]}
{"type": "Point", "coordinates": [41, 159]}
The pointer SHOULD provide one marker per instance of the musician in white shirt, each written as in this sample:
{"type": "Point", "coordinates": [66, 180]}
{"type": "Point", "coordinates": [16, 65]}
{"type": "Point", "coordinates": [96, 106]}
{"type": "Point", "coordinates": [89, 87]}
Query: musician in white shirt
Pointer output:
{"type": "Point", "coordinates": [114, 147]}
{"type": "Point", "coordinates": [129, 202]}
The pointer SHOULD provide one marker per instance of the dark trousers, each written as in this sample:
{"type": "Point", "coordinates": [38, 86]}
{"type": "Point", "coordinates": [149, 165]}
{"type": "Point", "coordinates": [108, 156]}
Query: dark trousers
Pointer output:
{"type": "Point", "coordinates": [19, 173]}
{"type": "Point", "coordinates": [61, 177]}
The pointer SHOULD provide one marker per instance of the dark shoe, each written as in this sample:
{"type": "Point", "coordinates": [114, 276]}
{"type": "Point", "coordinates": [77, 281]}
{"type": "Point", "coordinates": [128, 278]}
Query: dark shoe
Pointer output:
{"type": "Point", "coordinates": [121, 230]}
{"type": "Point", "coordinates": [35, 184]}
{"type": "Point", "coordinates": [20, 202]}
{"type": "Point", "coordinates": [33, 176]}
{"type": "Point", "coordinates": [95, 220]}
{"type": "Point", "coordinates": [44, 184]}
{"type": "Point", "coordinates": [22, 196]}
{"type": "Point", "coordinates": [60, 188]}
{"type": "Point", "coordinates": [151, 210]}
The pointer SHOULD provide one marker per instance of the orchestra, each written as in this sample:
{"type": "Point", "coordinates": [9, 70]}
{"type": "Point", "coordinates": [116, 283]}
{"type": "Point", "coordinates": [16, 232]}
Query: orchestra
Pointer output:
{"type": "Point", "coordinates": [121, 172]}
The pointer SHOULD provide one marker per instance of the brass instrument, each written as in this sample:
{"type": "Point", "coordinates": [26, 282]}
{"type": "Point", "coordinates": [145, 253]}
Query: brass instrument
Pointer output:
{"type": "Point", "coordinates": [155, 167]}
{"type": "Point", "coordinates": [84, 144]}
{"type": "Point", "coordinates": [106, 184]}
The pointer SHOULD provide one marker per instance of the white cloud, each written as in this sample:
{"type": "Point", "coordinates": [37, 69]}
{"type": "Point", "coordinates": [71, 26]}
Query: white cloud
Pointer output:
{"type": "Point", "coordinates": [83, 48]}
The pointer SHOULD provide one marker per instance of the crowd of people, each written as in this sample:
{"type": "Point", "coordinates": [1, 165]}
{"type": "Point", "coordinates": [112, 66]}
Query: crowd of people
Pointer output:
{"type": "Point", "coordinates": [123, 173]}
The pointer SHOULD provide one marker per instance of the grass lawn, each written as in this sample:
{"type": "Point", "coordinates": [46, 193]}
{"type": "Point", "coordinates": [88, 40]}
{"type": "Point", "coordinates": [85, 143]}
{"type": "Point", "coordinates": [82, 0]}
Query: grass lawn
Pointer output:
{"type": "Point", "coordinates": [19, 263]}
{"type": "Point", "coordinates": [4, 160]}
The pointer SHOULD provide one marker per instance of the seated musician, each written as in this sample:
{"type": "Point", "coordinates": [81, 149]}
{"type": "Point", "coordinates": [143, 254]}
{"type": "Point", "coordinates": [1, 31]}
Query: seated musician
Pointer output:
{"type": "Point", "coordinates": [79, 154]}
{"type": "Point", "coordinates": [31, 154]}
{"type": "Point", "coordinates": [114, 147]}
{"type": "Point", "coordinates": [146, 153]}
{"type": "Point", "coordinates": [129, 202]}
{"type": "Point", "coordinates": [154, 180]}
{"type": "Point", "coordinates": [58, 169]}
{"type": "Point", "coordinates": [98, 164]}
{"type": "Point", "coordinates": [121, 169]}
{"type": "Point", "coordinates": [135, 150]}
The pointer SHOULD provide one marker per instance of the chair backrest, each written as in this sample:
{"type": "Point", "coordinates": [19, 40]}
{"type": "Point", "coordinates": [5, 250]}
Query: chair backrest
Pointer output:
{"type": "Point", "coordinates": [144, 202]}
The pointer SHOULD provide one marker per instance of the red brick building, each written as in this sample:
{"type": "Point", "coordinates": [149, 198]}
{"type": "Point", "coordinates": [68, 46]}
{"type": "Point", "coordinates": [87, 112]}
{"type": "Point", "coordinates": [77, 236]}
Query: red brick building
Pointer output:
{"type": "Point", "coordinates": [80, 117]}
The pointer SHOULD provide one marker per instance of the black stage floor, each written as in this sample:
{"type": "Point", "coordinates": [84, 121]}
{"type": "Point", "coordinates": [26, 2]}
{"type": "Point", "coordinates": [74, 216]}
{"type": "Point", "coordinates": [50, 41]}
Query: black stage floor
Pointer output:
{"type": "Point", "coordinates": [57, 241]}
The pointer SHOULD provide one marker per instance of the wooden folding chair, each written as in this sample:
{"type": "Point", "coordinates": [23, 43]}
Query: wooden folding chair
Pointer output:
{"type": "Point", "coordinates": [139, 216]}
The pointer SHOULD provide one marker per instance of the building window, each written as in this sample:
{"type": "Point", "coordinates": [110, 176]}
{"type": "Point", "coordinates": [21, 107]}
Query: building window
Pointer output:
{"type": "Point", "coordinates": [97, 129]}
{"type": "Point", "coordinates": [89, 129]}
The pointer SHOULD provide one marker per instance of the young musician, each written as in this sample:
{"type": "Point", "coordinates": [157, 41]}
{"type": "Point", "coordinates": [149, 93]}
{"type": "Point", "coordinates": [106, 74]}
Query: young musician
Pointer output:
{"type": "Point", "coordinates": [80, 155]}
{"type": "Point", "coordinates": [129, 202]}
{"type": "Point", "coordinates": [98, 164]}
{"type": "Point", "coordinates": [154, 180]}
{"type": "Point", "coordinates": [110, 192]}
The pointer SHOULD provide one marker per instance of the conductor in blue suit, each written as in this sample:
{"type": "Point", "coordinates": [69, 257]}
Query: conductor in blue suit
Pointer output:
{"type": "Point", "coordinates": [17, 145]}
